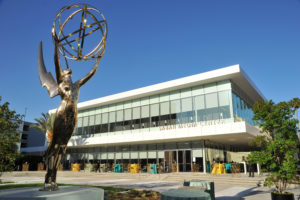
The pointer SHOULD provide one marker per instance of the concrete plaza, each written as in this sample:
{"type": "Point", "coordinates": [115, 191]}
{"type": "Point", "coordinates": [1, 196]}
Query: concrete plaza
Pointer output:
{"type": "Point", "coordinates": [227, 186]}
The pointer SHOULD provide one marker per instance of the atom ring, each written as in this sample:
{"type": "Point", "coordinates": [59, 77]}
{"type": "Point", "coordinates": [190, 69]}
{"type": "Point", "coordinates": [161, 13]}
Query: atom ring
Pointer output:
{"type": "Point", "coordinates": [89, 22]}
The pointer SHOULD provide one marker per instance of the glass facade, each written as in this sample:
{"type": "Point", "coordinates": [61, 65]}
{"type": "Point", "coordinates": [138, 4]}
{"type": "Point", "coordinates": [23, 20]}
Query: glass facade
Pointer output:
{"type": "Point", "coordinates": [202, 103]}
{"type": "Point", "coordinates": [242, 106]}
{"type": "Point", "coordinates": [144, 154]}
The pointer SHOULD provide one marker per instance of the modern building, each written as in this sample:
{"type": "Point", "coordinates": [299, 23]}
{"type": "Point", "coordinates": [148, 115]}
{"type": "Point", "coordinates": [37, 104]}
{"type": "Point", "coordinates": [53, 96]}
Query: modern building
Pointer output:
{"type": "Point", "coordinates": [33, 142]}
{"type": "Point", "coordinates": [202, 118]}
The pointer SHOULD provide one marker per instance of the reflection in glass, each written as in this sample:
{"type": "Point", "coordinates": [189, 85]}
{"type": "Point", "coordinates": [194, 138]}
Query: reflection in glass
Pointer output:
{"type": "Point", "coordinates": [175, 112]}
{"type": "Point", "coordinates": [145, 117]}
{"type": "Point", "coordinates": [154, 112]}
{"type": "Point", "coordinates": [187, 115]}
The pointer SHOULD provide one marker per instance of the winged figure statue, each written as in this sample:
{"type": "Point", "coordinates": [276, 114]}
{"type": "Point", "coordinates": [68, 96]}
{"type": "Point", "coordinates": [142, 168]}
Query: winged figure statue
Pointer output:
{"type": "Point", "coordinates": [66, 114]}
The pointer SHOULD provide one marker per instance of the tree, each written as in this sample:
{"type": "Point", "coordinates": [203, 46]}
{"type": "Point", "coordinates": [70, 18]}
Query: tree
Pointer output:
{"type": "Point", "coordinates": [45, 125]}
{"type": "Point", "coordinates": [41, 123]}
{"type": "Point", "coordinates": [9, 137]}
{"type": "Point", "coordinates": [295, 102]}
{"type": "Point", "coordinates": [279, 145]}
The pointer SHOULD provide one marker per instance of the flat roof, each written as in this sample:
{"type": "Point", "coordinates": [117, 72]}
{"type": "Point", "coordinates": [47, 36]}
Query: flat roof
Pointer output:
{"type": "Point", "coordinates": [234, 73]}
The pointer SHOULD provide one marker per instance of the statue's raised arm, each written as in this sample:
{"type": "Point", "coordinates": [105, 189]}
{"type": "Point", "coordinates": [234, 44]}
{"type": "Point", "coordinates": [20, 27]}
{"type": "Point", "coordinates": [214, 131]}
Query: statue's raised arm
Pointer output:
{"type": "Point", "coordinates": [89, 75]}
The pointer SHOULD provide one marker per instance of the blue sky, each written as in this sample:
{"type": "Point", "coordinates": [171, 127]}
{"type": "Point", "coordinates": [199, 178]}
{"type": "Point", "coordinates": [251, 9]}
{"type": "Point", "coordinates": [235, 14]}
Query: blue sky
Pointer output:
{"type": "Point", "coordinates": [155, 41]}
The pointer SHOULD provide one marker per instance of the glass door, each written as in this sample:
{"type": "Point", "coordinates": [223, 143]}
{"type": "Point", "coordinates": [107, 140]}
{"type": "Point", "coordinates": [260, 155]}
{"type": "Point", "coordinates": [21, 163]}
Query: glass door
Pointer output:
{"type": "Point", "coordinates": [184, 160]}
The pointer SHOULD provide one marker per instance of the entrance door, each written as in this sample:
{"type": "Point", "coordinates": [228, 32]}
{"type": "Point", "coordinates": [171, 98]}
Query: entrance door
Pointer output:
{"type": "Point", "coordinates": [184, 160]}
{"type": "Point", "coordinates": [170, 161]}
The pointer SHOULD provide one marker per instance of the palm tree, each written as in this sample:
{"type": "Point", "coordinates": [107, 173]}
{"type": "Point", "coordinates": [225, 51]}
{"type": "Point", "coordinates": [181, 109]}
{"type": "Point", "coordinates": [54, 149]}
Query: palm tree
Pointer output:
{"type": "Point", "coordinates": [50, 124]}
{"type": "Point", "coordinates": [41, 123]}
{"type": "Point", "coordinates": [296, 104]}
{"type": "Point", "coordinates": [45, 125]}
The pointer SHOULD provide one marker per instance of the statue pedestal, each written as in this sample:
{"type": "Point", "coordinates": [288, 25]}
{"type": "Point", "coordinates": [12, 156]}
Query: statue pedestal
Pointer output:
{"type": "Point", "coordinates": [64, 193]}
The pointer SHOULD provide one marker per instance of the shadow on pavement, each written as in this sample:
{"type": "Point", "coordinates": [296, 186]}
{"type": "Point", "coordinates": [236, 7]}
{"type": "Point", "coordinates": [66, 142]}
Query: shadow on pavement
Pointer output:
{"type": "Point", "coordinates": [240, 195]}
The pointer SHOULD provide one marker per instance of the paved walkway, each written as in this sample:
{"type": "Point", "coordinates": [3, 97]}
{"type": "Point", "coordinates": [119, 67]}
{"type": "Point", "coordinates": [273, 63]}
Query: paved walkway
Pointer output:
{"type": "Point", "coordinates": [226, 187]}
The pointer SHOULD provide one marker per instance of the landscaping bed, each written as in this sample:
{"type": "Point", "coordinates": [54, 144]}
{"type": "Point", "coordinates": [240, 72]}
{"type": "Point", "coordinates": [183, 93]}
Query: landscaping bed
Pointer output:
{"type": "Point", "coordinates": [110, 193]}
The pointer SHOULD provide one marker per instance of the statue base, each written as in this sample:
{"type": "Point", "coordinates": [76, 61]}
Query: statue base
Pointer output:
{"type": "Point", "coordinates": [49, 187]}
{"type": "Point", "coordinates": [64, 193]}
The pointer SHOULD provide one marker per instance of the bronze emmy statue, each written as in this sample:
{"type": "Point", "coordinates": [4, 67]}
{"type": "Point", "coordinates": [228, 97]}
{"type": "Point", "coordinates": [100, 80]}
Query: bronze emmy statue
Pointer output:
{"type": "Point", "coordinates": [70, 46]}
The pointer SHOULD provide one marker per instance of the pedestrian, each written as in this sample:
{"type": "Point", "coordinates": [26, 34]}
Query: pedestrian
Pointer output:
{"type": "Point", "coordinates": [251, 170]}
{"type": "Point", "coordinates": [97, 166]}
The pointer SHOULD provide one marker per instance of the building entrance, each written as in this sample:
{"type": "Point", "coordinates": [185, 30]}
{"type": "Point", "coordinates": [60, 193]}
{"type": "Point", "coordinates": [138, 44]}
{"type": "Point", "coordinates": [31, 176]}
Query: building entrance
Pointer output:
{"type": "Point", "coordinates": [179, 160]}
{"type": "Point", "coordinates": [184, 160]}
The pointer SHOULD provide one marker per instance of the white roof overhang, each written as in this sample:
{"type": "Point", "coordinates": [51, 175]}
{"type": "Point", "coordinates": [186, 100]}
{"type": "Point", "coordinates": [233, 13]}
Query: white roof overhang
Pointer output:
{"type": "Point", "coordinates": [233, 73]}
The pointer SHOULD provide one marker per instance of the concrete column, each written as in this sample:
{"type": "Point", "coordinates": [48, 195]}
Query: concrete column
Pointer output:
{"type": "Point", "coordinates": [258, 169]}
{"type": "Point", "coordinates": [192, 167]}
{"type": "Point", "coordinates": [177, 161]}
{"type": "Point", "coordinates": [203, 156]}
{"type": "Point", "coordinates": [245, 167]}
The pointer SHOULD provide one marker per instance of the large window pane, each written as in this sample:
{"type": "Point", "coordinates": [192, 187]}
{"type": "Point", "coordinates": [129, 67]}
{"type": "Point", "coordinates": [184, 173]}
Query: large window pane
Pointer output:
{"type": "Point", "coordinates": [119, 126]}
{"type": "Point", "coordinates": [187, 114]}
{"type": "Point", "coordinates": [92, 120]}
{"type": "Point", "coordinates": [85, 121]}
{"type": "Point", "coordinates": [186, 104]}
{"type": "Point", "coordinates": [154, 112]}
{"type": "Point", "coordinates": [175, 112]}
{"type": "Point", "coordinates": [98, 128]}
{"type": "Point", "coordinates": [112, 119]}
{"type": "Point", "coordinates": [104, 118]}
{"type": "Point", "coordinates": [79, 126]}
{"type": "Point", "coordinates": [199, 104]}
{"type": "Point", "coordinates": [98, 119]}
{"type": "Point", "coordinates": [145, 114]}
{"type": "Point", "coordinates": [164, 113]}
{"type": "Point", "coordinates": [127, 119]}
{"type": "Point", "coordinates": [85, 125]}
{"type": "Point", "coordinates": [112, 127]}
{"type": "Point", "coordinates": [127, 115]}
{"type": "Point", "coordinates": [98, 123]}
{"type": "Point", "coordinates": [91, 124]}
{"type": "Point", "coordinates": [119, 123]}
{"type": "Point", "coordinates": [79, 122]}
{"type": "Point", "coordinates": [120, 115]}
{"type": "Point", "coordinates": [211, 100]}
{"type": "Point", "coordinates": [212, 110]}
{"type": "Point", "coordinates": [136, 113]}
{"type": "Point", "coordinates": [91, 130]}
{"type": "Point", "coordinates": [145, 111]}
{"type": "Point", "coordinates": [104, 126]}
{"type": "Point", "coordinates": [165, 108]}
{"type": "Point", "coordinates": [224, 104]}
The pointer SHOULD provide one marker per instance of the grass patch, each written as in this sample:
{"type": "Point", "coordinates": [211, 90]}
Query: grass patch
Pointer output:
{"type": "Point", "coordinates": [12, 186]}
{"type": "Point", "coordinates": [5, 182]}
{"type": "Point", "coordinates": [110, 193]}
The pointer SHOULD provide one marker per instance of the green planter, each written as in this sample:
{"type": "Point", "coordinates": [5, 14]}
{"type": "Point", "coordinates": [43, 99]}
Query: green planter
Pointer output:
{"type": "Point", "coordinates": [282, 196]}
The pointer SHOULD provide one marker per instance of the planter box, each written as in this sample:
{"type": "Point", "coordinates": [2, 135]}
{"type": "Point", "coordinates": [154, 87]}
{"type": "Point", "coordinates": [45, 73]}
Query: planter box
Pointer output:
{"type": "Point", "coordinates": [280, 196]}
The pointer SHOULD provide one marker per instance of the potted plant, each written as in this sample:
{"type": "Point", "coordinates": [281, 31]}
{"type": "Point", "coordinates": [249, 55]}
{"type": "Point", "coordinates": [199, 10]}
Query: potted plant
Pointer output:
{"type": "Point", "coordinates": [278, 145]}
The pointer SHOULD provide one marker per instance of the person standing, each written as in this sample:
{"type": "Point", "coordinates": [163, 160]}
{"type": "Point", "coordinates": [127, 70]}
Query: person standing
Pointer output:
{"type": "Point", "coordinates": [97, 166]}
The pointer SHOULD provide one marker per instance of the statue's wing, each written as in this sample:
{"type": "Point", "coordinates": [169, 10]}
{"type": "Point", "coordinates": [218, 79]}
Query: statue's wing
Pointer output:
{"type": "Point", "coordinates": [46, 78]}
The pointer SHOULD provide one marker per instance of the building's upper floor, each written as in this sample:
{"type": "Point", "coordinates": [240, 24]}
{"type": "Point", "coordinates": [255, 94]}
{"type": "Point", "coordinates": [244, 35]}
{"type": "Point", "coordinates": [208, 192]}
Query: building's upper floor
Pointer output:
{"type": "Point", "coordinates": [225, 95]}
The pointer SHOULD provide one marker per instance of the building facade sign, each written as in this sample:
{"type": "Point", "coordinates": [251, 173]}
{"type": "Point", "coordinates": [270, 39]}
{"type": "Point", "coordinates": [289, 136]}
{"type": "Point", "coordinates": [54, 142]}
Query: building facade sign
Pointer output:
{"type": "Point", "coordinates": [191, 125]}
